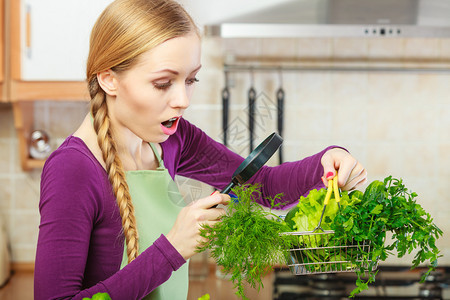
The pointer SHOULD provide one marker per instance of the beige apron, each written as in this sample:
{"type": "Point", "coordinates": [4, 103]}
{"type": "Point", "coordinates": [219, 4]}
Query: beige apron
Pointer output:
{"type": "Point", "coordinates": [156, 201]}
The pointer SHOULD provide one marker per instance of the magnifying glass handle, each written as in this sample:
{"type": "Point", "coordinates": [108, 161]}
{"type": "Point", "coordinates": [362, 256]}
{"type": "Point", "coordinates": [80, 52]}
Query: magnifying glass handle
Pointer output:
{"type": "Point", "coordinates": [228, 188]}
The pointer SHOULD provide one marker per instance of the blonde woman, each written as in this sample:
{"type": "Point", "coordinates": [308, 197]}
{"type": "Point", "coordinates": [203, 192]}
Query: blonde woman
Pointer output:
{"type": "Point", "coordinates": [108, 219]}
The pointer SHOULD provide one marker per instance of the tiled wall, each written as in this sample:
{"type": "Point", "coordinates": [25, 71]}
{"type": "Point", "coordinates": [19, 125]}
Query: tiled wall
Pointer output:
{"type": "Point", "coordinates": [394, 123]}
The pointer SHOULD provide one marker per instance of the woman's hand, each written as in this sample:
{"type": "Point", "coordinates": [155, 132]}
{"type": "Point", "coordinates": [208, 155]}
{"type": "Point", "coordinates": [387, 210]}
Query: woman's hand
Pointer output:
{"type": "Point", "coordinates": [351, 172]}
{"type": "Point", "coordinates": [185, 234]}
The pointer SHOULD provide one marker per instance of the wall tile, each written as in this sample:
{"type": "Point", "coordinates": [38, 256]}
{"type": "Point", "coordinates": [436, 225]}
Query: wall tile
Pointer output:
{"type": "Point", "coordinates": [383, 160]}
{"type": "Point", "coordinates": [302, 148]}
{"type": "Point", "coordinates": [443, 160]}
{"type": "Point", "coordinates": [384, 123]}
{"type": "Point", "coordinates": [212, 57]}
{"type": "Point", "coordinates": [242, 47]}
{"type": "Point", "coordinates": [422, 48]}
{"type": "Point", "coordinates": [419, 159]}
{"type": "Point", "coordinates": [314, 47]}
{"type": "Point", "coordinates": [422, 123]}
{"type": "Point", "coordinates": [5, 223]}
{"type": "Point", "coordinates": [443, 117]}
{"type": "Point", "coordinates": [25, 228]}
{"type": "Point", "coordinates": [382, 48]}
{"type": "Point", "coordinates": [209, 88]}
{"type": "Point", "coordinates": [311, 88]}
{"type": "Point", "coordinates": [389, 88]}
{"type": "Point", "coordinates": [432, 89]}
{"type": "Point", "coordinates": [5, 193]}
{"type": "Point", "coordinates": [281, 47]}
{"type": "Point", "coordinates": [65, 118]}
{"type": "Point", "coordinates": [207, 118]}
{"type": "Point", "coordinates": [349, 88]}
{"type": "Point", "coordinates": [308, 122]}
{"type": "Point", "coordinates": [28, 193]}
{"type": "Point", "coordinates": [350, 47]}
{"type": "Point", "coordinates": [349, 122]}
{"type": "Point", "coordinates": [5, 156]}
{"type": "Point", "coordinates": [23, 254]}
{"type": "Point", "coordinates": [444, 48]}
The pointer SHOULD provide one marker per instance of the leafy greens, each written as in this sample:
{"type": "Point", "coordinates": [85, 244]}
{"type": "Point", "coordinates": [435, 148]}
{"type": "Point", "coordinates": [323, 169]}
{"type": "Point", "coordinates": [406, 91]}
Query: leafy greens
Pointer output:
{"type": "Point", "coordinates": [384, 207]}
{"type": "Point", "coordinates": [247, 242]}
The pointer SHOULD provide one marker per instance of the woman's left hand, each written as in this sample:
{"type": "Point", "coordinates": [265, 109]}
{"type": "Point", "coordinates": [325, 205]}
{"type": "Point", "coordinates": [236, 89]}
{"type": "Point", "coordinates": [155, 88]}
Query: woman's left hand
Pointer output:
{"type": "Point", "coordinates": [351, 173]}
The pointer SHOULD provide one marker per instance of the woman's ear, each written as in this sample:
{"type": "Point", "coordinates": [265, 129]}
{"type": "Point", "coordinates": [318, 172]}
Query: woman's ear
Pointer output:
{"type": "Point", "coordinates": [107, 81]}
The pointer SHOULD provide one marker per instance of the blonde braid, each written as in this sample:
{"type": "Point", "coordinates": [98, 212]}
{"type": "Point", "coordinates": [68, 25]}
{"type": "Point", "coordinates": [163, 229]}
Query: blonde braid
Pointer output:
{"type": "Point", "coordinates": [114, 168]}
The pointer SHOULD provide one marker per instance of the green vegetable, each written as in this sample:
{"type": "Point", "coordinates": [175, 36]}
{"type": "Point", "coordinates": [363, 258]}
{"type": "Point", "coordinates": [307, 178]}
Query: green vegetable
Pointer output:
{"type": "Point", "coordinates": [364, 219]}
{"type": "Point", "coordinates": [99, 296]}
{"type": "Point", "coordinates": [306, 218]}
{"type": "Point", "coordinates": [387, 206]}
{"type": "Point", "coordinates": [247, 242]}
{"type": "Point", "coordinates": [356, 194]}
{"type": "Point", "coordinates": [204, 297]}
{"type": "Point", "coordinates": [289, 217]}
{"type": "Point", "coordinates": [309, 209]}
{"type": "Point", "coordinates": [373, 191]}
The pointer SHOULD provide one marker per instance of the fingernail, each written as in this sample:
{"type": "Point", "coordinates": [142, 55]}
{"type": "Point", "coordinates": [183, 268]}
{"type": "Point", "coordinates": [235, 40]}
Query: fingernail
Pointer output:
{"type": "Point", "coordinates": [330, 174]}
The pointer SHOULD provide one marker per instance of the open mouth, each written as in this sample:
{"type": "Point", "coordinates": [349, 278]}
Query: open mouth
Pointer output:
{"type": "Point", "coordinates": [169, 123]}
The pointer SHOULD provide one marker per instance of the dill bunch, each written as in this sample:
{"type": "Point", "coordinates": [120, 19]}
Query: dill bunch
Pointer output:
{"type": "Point", "coordinates": [247, 242]}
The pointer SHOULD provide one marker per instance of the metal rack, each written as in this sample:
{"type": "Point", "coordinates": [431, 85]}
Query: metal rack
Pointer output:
{"type": "Point", "coordinates": [230, 68]}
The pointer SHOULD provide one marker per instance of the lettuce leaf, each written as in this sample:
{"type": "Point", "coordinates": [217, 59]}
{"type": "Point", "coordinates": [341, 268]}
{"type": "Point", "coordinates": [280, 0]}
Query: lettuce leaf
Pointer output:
{"type": "Point", "coordinates": [310, 209]}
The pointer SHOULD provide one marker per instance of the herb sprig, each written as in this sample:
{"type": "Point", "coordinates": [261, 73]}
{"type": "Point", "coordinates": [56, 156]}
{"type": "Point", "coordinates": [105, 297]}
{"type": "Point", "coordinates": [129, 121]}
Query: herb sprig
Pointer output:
{"type": "Point", "coordinates": [247, 242]}
{"type": "Point", "coordinates": [389, 207]}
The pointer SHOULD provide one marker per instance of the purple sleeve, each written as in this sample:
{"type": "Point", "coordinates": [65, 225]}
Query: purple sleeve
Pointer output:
{"type": "Point", "coordinates": [80, 245]}
{"type": "Point", "coordinates": [193, 154]}
{"type": "Point", "coordinates": [149, 270]}
{"type": "Point", "coordinates": [292, 179]}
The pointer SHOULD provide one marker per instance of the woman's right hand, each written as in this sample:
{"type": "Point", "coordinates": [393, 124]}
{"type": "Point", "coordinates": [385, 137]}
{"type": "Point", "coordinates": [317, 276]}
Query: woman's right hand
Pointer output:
{"type": "Point", "coordinates": [185, 234]}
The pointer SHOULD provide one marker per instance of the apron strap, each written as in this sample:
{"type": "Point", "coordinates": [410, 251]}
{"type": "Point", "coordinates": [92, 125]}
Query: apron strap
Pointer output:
{"type": "Point", "coordinates": [158, 157]}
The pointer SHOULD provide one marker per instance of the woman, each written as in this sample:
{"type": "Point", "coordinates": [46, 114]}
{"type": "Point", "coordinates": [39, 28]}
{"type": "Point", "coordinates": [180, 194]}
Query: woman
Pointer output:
{"type": "Point", "coordinates": [108, 219]}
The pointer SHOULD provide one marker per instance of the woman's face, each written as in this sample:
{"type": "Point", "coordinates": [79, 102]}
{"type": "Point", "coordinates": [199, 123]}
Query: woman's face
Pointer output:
{"type": "Point", "coordinates": [150, 98]}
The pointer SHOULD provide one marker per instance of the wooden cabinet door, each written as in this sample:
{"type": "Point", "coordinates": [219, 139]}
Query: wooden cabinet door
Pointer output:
{"type": "Point", "coordinates": [54, 38]}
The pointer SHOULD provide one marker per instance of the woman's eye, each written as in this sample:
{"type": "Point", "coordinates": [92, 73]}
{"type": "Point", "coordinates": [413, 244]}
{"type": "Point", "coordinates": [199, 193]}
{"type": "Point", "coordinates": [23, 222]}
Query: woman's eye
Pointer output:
{"type": "Point", "coordinates": [162, 85]}
{"type": "Point", "coordinates": [191, 81]}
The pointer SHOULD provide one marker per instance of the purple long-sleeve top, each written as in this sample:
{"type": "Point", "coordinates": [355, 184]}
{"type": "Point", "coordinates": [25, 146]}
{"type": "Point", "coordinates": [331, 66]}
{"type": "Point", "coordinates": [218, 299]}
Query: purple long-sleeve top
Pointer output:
{"type": "Point", "coordinates": [80, 244]}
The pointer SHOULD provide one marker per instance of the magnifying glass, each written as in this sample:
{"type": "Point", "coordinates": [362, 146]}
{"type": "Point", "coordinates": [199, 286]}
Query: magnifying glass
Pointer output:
{"type": "Point", "coordinates": [254, 161]}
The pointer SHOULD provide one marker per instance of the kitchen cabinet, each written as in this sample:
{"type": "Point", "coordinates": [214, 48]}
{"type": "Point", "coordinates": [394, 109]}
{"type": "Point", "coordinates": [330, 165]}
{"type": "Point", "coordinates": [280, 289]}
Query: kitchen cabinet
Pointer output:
{"type": "Point", "coordinates": [47, 44]}
{"type": "Point", "coordinates": [55, 42]}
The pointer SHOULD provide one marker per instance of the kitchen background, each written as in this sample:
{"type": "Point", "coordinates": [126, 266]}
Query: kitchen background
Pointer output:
{"type": "Point", "coordinates": [395, 123]}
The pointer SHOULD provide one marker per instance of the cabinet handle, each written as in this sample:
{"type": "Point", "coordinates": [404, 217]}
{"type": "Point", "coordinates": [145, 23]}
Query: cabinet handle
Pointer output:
{"type": "Point", "coordinates": [28, 31]}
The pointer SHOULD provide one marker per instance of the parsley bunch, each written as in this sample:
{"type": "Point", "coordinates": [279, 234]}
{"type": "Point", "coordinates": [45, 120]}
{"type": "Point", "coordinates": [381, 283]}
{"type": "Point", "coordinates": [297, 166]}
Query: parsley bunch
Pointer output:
{"type": "Point", "coordinates": [387, 206]}
{"type": "Point", "coordinates": [247, 242]}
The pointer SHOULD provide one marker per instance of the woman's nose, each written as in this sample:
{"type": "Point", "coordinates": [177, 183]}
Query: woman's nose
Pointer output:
{"type": "Point", "coordinates": [181, 99]}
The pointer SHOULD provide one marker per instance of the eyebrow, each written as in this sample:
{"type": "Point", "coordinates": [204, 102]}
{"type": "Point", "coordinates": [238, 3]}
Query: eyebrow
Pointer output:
{"type": "Point", "coordinates": [176, 72]}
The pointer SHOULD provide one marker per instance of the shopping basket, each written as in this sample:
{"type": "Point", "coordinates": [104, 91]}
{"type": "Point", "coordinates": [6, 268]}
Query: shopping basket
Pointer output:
{"type": "Point", "coordinates": [318, 252]}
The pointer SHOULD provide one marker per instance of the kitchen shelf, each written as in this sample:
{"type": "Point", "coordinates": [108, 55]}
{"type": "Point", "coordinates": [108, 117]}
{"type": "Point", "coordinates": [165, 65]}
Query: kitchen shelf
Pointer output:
{"type": "Point", "coordinates": [24, 97]}
{"type": "Point", "coordinates": [17, 88]}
